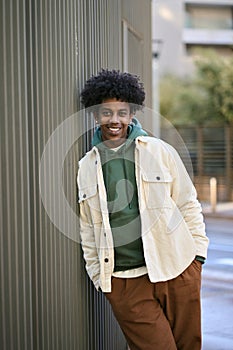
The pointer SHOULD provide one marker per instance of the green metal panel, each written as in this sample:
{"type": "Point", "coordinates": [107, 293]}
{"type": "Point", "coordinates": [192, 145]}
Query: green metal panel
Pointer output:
{"type": "Point", "coordinates": [48, 50]}
{"type": "Point", "coordinates": [15, 255]}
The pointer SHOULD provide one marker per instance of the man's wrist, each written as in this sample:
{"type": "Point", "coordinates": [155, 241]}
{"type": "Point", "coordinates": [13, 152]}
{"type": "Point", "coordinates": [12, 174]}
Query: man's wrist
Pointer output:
{"type": "Point", "coordinates": [200, 258]}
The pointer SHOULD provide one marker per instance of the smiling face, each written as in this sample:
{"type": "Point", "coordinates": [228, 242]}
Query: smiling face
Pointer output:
{"type": "Point", "coordinates": [114, 117]}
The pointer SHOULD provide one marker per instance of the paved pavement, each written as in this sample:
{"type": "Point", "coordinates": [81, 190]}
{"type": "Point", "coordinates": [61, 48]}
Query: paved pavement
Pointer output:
{"type": "Point", "coordinates": [217, 285]}
{"type": "Point", "coordinates": [223, 211]}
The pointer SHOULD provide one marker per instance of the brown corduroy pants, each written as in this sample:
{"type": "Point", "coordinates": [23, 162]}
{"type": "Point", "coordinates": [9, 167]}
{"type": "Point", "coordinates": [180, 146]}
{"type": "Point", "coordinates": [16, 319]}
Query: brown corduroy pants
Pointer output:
{"type": "Point", "coordinates": [159, 316]}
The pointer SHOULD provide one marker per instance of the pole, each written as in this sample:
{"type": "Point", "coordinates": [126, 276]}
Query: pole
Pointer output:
{"type": "Point", "coordinates": [213, 194]}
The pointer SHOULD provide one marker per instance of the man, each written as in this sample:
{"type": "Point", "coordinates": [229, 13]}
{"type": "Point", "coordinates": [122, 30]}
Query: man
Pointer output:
{"type": "Point", "coordinates": [141, 226]}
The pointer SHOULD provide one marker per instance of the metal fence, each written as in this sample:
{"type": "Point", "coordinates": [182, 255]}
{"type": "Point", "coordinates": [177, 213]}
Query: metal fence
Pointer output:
{"type": "Point", "coordinates": [211, 152]}
{"type": "Point", "coordinates": [48, 50]}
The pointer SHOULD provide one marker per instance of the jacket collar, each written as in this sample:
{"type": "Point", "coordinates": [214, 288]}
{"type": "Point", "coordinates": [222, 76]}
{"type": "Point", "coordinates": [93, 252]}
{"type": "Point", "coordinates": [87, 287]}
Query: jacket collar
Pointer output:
{"type": "Point", "coordinates": [143, 139]}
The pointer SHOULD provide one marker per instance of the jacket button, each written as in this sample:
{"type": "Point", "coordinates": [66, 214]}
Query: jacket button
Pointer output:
{"type": "Point", "coordinates": [106, 260]}
{"type": "Point", "coordinates": [158, 178]}
{"type": "Point", "coordinates": [96, 162]}
{"type": "Point", "coordinates": [84, 195]}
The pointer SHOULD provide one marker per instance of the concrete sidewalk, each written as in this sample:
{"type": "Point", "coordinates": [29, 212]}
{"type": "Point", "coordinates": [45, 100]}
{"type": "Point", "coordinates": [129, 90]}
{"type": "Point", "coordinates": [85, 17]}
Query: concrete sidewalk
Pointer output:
{"type": "Point", "coordinates": [223, 210]}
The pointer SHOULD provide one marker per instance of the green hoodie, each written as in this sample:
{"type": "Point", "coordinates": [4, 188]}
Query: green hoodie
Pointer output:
{"type": "Point", "coordinates": [120, 182]}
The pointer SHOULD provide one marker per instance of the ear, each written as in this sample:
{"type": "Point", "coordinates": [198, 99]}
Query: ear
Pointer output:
{"type": "Point", "coordinates": [131, 117]}
{"type": "Point", "coordinates": [96, 117]}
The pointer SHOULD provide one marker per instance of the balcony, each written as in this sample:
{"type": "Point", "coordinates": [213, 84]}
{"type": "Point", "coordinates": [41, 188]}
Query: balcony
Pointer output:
{"type": "Point", "coordinates": [207, 37]}
{"type": "Point", "coordinates": [209, 2]}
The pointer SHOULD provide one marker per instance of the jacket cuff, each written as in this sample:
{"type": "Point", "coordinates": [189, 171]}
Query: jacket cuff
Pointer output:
{"type": "Point", "coordinates": [200, 258]}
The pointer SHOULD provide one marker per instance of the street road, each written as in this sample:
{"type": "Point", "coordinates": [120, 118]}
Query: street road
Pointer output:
{"type": "Point", "coordinates": [217, 287]}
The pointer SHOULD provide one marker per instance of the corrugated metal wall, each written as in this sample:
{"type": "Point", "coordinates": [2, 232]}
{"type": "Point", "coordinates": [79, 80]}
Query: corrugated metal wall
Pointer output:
{"type": "Point", "coordinates": [137, 57]}
{"type": "Point", "coordinates": [16, 261]}
{"type": "Point", "coordinates": [48, 50]}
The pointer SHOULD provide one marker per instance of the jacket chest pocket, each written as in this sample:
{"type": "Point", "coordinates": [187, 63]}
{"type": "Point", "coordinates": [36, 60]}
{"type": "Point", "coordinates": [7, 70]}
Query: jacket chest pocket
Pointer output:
{"type": "Point", "coordinates": [157, 189]}
{"type": "Point", "coordinates": [90, 198]}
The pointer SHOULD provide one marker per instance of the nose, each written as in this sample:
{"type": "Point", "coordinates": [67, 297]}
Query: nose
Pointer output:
{"type": "Point", "coordinates": [114, 118]}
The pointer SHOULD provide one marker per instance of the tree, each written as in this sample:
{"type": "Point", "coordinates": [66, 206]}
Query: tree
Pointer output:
{"type": "Point", "coordinates": [226, 90]}
{"type": "Point", "coordinates": [182, 101]}
{"type": "Point", "coordinates": [203, 99]}
{"type": "Point", "coordinates": [215, 76]}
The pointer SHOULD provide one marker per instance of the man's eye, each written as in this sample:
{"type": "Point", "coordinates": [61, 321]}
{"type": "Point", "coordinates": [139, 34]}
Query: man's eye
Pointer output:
{"type": "Point", "coordinates": [123, 114]}
{"type": "Point", "coordinates": [106, 113]}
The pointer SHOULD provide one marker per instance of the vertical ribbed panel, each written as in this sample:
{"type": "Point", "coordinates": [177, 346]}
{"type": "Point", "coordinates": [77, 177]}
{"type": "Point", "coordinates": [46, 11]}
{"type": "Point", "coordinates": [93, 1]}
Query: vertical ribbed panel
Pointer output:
{"type": "Point", "coordinates": [48, 50]}
{"type": "Point", "coordinates": [137, 56]}
{"type": "Point", "coordinates": [137, 15]}
{"type": "Point", "coordinates": [16, 331]}
{"type": "Point", "coordinates": [51, 84]}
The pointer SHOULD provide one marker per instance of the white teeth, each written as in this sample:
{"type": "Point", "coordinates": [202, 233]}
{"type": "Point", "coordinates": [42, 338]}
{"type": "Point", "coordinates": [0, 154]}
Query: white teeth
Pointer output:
{"type": "Point", "coordinates": [114, 129]}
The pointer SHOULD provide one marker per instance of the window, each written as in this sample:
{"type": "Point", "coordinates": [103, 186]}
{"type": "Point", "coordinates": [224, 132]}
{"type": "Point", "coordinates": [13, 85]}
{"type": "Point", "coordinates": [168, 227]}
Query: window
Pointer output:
{"type": "Point", "coordinates": [208, 17]}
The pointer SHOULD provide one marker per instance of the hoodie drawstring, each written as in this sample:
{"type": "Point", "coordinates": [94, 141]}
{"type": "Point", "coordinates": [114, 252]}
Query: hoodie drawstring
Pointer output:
{"type": "Point", "coordinates": [129, 200]}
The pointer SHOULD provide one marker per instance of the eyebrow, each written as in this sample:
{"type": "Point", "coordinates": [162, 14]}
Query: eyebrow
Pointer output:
{"type": "Point", "coordinates": [109, 109]}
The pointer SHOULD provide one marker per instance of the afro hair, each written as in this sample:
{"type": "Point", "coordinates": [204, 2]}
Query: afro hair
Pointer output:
{"type": "Point", "coordinates": [108, 84]}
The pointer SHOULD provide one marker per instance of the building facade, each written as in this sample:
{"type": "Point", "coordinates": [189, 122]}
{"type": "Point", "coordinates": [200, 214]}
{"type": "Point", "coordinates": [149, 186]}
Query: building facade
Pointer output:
{"type": "Point", "coordinates": [180, 27]}
{"type": "Point", "coordinates": [49, 48]}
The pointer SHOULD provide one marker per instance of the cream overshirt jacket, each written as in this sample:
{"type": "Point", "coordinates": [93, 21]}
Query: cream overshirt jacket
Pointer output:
{"type": "Point", "coordinates": [172, 227]}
